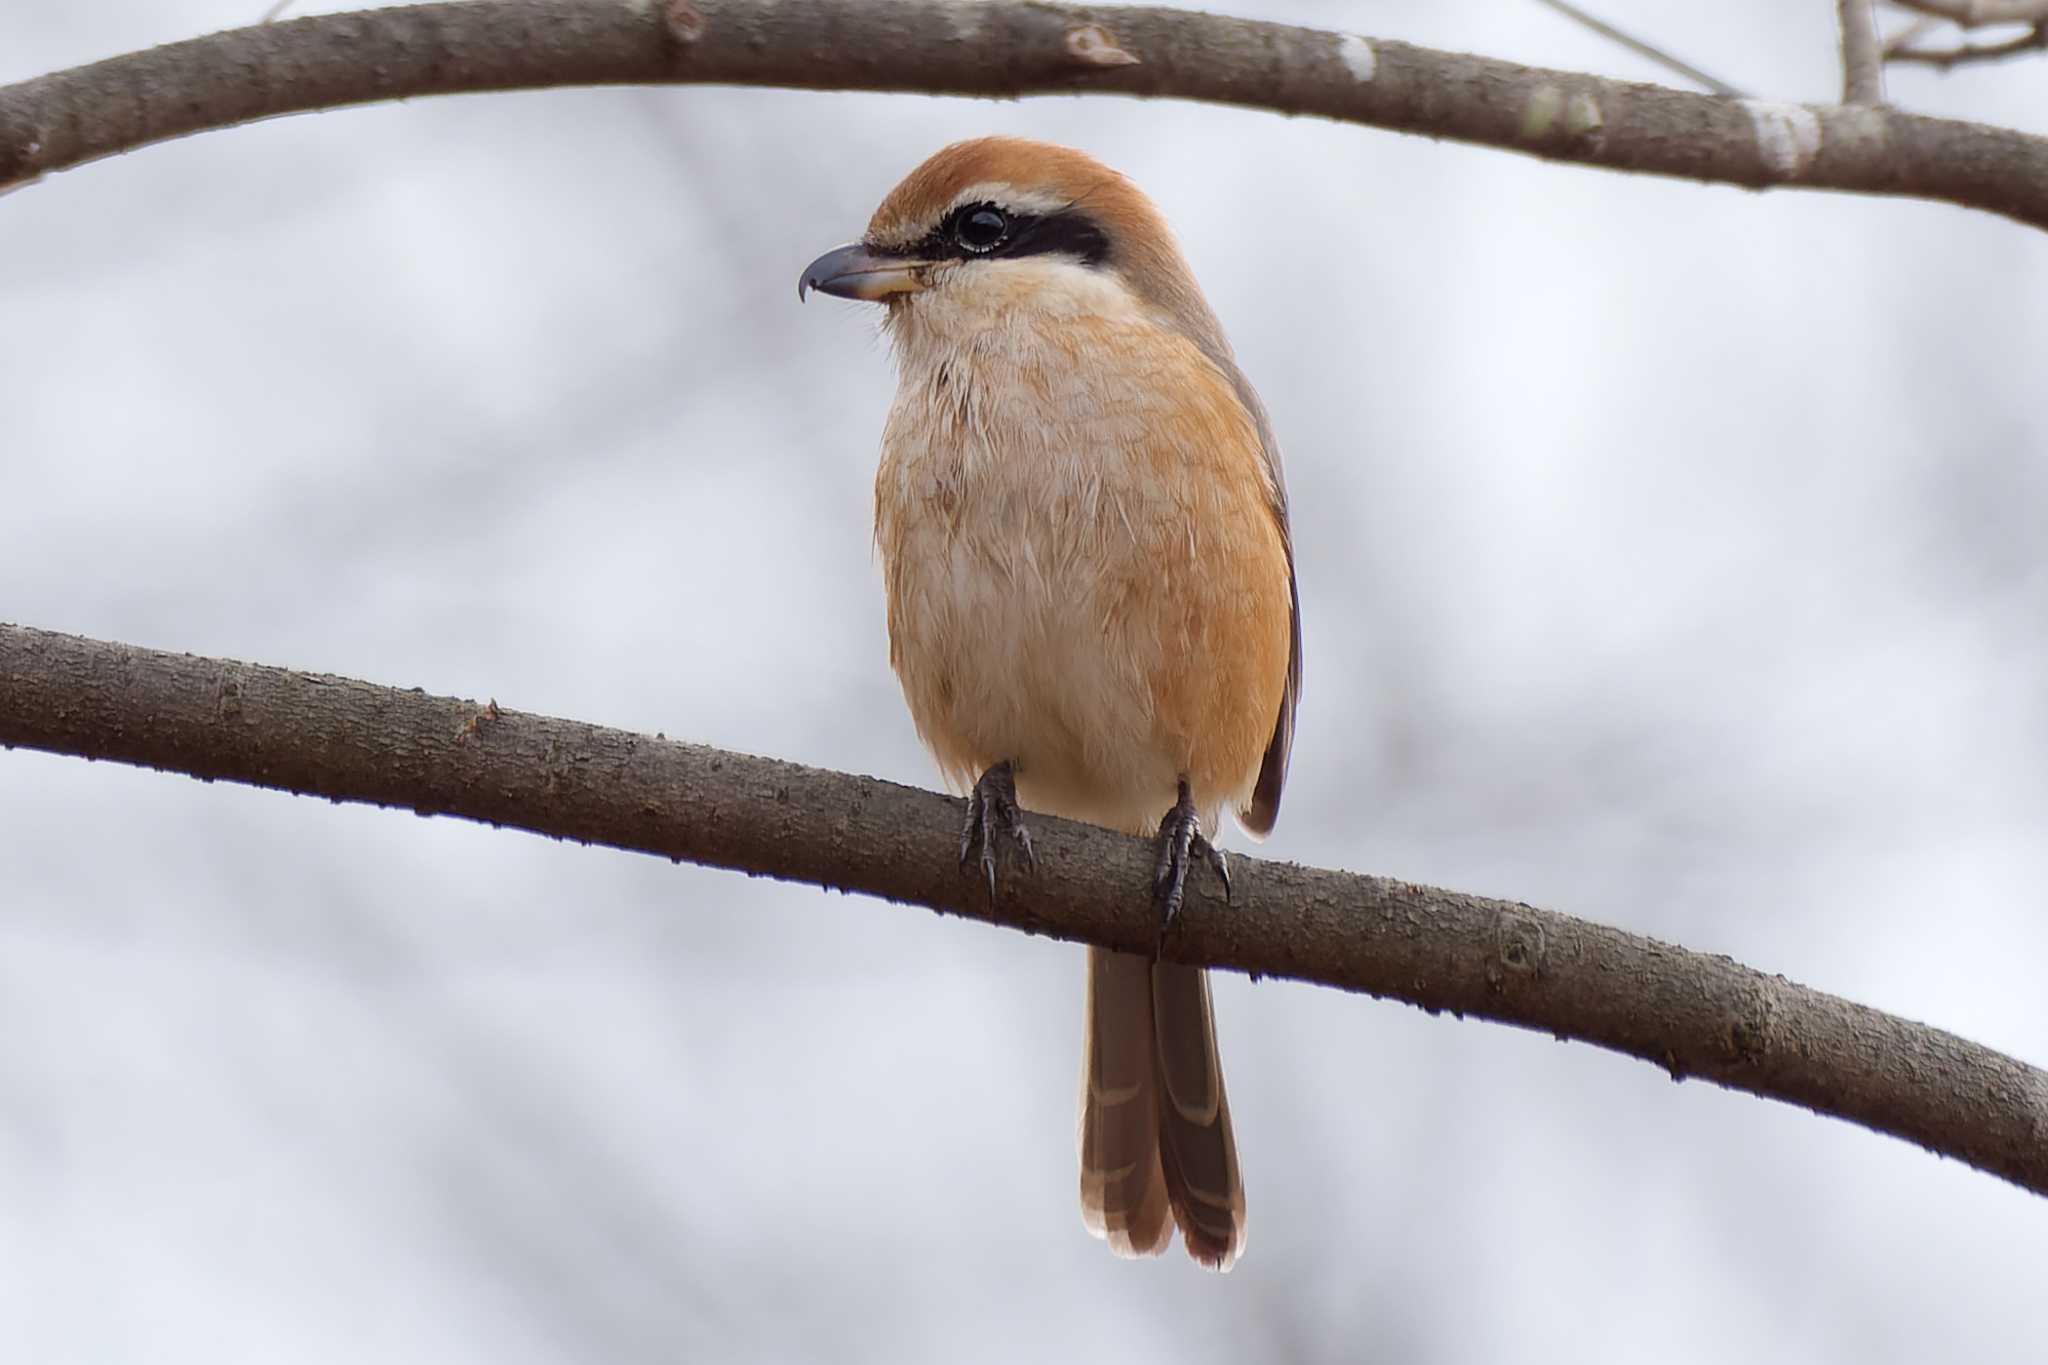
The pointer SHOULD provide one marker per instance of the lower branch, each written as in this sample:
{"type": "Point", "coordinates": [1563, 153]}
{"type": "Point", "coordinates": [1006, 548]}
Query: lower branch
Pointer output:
{"type": "Point", "coordinates": [976, 47]}
{"type": "Point", "coordinates": [1689, 1013]}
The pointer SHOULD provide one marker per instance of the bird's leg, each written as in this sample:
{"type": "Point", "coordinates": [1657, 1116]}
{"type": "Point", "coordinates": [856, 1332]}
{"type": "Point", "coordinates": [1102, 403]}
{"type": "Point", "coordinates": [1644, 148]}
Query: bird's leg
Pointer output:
{"type": "Point", "coordinates": [1180, 838]}
{"type": "Point", "coordinates": [992, 812]}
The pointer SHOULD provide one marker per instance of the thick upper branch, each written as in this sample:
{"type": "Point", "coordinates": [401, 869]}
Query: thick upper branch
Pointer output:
{"type": "Point", "coordinates": [1006, 49]}
{"type": "Point", "coordinates": [1689, 1013]}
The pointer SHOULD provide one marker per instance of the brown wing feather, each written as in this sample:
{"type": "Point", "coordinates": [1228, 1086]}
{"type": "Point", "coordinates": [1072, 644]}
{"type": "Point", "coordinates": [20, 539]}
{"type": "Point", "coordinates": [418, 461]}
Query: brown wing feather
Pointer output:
{"type": "Point", "coordinates": [1258, 818]}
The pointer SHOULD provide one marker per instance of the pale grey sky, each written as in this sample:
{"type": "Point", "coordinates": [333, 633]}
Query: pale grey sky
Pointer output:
{"type": "Point", "coordinates": [1670, 556]}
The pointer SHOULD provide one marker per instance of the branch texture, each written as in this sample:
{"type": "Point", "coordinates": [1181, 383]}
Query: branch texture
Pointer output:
{"type": "Point", "coordinates": [971, 47]}
{"type": "Point", "coordinates": [1689, 1013]}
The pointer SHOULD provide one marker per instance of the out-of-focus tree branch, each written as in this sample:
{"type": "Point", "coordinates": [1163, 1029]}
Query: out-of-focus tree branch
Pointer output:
{"type": "Point", "coordinates": [1862, 57]}
{"type": "Point", "coordinates": [1980, 13]}
{"type": "Point", "coordinates": [1904, 46]}
{"type": "Point", "coordinates": [1689, 1013]}
{"type": "Point", "coordinates": [1006, 49]}
{"type": "Point", "coordinates": [1904, 50]}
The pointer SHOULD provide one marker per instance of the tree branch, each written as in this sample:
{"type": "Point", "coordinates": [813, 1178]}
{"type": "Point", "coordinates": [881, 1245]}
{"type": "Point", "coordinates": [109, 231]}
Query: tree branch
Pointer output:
{"type": "Point", "coordinates": [2034, 39]}
{"type": "Point", "coordinates": [1980, 13]}
{"type": "Point", "coordinates": [1689, 1013]}
{"type": "Point", "coordinates": [1006, 49]}
{"type": "Point", "coordinates": [1862, 58]}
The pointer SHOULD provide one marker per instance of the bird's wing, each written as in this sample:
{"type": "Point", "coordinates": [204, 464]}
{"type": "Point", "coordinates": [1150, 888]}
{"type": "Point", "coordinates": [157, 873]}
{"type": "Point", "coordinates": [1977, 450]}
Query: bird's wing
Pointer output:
{"type": "Point", "coordinates": [1258, 817]}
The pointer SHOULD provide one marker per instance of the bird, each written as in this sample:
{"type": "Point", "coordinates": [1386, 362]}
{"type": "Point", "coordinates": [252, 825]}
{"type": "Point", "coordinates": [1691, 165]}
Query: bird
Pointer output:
{"type": "Point", "coordinates": [1082, 524]}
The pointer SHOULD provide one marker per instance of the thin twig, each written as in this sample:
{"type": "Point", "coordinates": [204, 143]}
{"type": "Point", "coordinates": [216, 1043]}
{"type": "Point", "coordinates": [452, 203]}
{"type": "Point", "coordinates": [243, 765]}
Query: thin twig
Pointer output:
{"type": "Point", "coordinates": [1862, 60]}
{"type": "Point", "coordinates": [1910, 34]}
{"type": "Point", "coordinates": [270, 15]}
{"type": "Point", "coordinates": [1979, 13]}
{"type": "Point", "coordinates": [1643, 49]}
{"type": "Point", "coordinates": [1965, 54]}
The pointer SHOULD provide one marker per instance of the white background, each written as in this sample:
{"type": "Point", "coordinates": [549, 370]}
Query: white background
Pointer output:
{"type": "Point", "coordinates": [1671, 556]}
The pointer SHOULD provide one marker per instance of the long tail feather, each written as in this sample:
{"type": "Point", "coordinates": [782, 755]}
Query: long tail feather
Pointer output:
{"type": "Point", "coordinates": [1155, 1138]}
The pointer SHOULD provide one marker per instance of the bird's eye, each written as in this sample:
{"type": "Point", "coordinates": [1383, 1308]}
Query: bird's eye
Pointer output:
{"type": "Point", "coordinates": [981, 229]}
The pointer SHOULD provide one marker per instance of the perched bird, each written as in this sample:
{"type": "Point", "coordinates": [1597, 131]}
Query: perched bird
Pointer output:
{"type": "Point", "coordinates": [1092, 611]}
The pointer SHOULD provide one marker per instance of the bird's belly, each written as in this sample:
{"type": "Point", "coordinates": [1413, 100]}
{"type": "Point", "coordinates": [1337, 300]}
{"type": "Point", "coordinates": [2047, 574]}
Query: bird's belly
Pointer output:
{"type": "Point", "coordinates": [1009, 647]}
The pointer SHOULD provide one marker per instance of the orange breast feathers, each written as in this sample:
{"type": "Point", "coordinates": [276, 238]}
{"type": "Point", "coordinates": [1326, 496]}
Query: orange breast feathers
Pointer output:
{"type": "Point", "coordinates": [1086, 570]}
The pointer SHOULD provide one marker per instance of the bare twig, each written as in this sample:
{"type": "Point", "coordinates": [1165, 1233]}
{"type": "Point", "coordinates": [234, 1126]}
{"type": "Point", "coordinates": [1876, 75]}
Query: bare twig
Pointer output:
{"type": "Point", "coordinates": [1978, 13]}
{"type": "Point", "coordinates": [1909, 35]}
{"type": "Point", "coordinates": [1862, 60]}
{"type": "Point", "coordinates": [270, 15]}
{"type": "Point", "coordinates": [1689, 1013]}
{"type": "Point", "coordinates": [1966, 15]}
{"type": "Point", "coordinates": [1964, 54]}
{"type": "Point", "coordinates": [1001, 49]}
{"type": "Point", "coordinates": [1643, 49]}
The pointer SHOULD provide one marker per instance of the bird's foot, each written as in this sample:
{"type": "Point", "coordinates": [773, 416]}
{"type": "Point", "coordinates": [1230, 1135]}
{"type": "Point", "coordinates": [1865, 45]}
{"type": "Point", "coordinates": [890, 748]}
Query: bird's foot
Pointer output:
{"type": "Point", "coordinates": [992, 814]}
{"type": "Point", "coordinates": [1180, 842]}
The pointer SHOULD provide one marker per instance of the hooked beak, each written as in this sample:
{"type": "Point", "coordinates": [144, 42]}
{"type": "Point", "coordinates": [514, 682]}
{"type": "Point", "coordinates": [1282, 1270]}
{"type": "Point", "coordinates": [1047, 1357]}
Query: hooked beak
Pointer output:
{"type": "Point", "coordinates": [854, 272]}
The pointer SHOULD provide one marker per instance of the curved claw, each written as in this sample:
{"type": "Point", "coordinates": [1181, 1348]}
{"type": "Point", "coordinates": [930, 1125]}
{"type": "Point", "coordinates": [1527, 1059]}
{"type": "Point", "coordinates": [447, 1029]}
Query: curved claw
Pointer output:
{"type": "Point", "coordinates": [1180, 835]}
{"type": "Point", "coordinates": [992, 814]}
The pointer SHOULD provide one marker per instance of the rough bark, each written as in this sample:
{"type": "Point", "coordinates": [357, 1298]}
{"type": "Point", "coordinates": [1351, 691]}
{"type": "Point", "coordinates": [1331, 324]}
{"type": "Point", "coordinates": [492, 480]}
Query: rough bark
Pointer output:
{"type": "Point", "coordinates": [1689, 1013]}
{"type": "Point", "coordinates": [1007, 49]}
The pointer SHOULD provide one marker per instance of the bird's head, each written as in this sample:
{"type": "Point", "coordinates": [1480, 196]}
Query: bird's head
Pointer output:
{"type": "Point", "coordinates": [1001, 225]}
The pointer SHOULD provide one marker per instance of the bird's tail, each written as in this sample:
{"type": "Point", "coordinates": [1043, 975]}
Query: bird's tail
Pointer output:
{"type": "Point", "coordinates": [1155, 1124]}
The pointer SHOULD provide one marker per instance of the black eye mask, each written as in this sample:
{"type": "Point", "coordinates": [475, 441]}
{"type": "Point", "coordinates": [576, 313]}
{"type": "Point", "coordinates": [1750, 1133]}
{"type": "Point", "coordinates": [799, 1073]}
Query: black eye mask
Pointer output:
{"type": "Point", "coordinates": [973, 231]}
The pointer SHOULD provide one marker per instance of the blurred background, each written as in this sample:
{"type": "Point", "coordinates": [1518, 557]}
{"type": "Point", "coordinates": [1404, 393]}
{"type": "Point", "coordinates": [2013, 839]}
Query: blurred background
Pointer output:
{"type": "Point", "coordinates": [1671, 556]}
